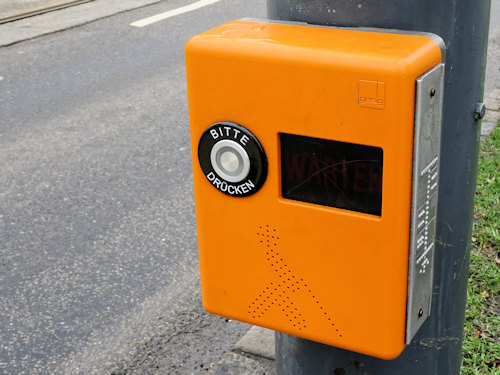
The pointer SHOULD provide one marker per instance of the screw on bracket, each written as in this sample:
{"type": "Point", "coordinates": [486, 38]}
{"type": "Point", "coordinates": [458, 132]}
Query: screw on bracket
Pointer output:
{"type": "Point", "coordinates": [479, 111]}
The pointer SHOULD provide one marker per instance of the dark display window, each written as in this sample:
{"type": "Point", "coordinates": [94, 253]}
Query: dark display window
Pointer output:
{"type": "Point", "coordinates": [332, 173]}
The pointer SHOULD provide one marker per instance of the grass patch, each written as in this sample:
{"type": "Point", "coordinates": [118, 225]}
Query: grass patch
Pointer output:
{"type": "Point", "coordinates": [481, 346]}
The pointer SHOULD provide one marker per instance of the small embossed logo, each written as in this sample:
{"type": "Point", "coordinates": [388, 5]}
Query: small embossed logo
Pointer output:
{"type": "Point", "coordinates": [371, 94]}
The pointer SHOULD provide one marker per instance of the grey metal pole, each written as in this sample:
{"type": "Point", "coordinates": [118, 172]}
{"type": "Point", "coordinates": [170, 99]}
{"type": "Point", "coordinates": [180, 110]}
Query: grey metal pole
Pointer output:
{"type": "Point", "coordinates": [463, 24]}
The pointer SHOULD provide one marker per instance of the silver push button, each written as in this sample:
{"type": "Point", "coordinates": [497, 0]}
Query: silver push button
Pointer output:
{"type": "Point", "coordinates": [230, 160]}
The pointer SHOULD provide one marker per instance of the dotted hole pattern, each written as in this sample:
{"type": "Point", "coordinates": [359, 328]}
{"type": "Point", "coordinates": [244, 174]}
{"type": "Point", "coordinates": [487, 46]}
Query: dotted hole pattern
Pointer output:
{"type": "Point", "coordinates": [280, 293]}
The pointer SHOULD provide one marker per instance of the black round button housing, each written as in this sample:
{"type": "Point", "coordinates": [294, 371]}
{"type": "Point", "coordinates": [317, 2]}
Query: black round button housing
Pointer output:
{"type": "Point", "coordinates": [232, 159]}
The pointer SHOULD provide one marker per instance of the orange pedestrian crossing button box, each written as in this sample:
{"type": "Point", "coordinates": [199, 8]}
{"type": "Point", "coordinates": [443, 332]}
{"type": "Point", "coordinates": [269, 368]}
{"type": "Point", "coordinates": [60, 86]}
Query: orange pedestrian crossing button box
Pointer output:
{"type": "Point", "coordinates": [315, 164]}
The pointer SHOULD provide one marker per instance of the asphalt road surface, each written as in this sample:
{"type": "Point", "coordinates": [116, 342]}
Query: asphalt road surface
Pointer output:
{"type": "Point", "coordinates": [98, 257]}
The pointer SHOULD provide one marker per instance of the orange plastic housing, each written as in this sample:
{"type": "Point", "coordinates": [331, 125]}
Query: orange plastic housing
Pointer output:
{"type": "Point", "coordinates": [325, 274]}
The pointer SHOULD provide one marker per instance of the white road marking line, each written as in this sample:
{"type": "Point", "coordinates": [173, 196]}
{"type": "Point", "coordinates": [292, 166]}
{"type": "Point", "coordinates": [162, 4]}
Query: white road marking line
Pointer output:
{"type": "Point", "coordinates": [174, 12]}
